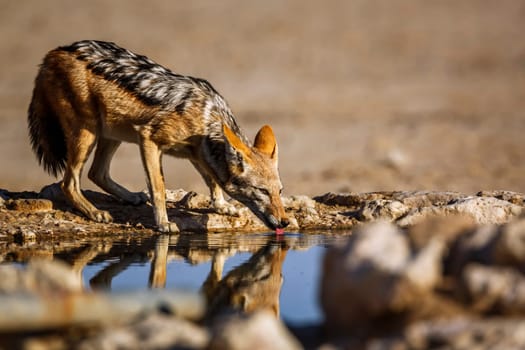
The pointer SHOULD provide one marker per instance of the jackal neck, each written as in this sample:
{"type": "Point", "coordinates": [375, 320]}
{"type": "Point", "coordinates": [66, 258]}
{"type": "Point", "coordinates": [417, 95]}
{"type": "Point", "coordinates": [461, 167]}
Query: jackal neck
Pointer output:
{"type": "Point", "coordinates": [214, 151]}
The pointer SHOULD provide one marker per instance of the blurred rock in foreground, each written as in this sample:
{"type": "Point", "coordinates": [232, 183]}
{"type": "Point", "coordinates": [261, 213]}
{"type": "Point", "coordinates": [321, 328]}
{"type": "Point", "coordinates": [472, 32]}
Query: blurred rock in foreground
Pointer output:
{"type": "Point", "coordinates": [446, 281]}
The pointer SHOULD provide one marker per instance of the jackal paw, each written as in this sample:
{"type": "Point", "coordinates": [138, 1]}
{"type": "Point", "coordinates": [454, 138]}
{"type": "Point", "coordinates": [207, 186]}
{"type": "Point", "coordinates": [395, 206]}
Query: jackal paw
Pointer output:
{"type": "Point", "coordinates": [136, 198]}
{"type": "Point", "coordinates": [225, 208]}
{"type": "Point", "coordinates": [168, 227]}
{"type": "Point", "coordinates": [101, 216]}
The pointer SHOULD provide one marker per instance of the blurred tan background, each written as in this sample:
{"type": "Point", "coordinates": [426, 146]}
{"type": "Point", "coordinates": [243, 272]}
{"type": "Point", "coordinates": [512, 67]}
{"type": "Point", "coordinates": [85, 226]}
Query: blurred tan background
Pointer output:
{"type": "Point", "coordinates": [363, 95]}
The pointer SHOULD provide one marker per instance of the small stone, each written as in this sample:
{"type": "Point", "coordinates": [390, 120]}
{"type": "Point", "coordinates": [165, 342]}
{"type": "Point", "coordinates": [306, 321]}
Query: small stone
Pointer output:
{"type": "Point", "coordinates": [420, 199]}
{"type": "Point", "coordinates": [342, 199]}
{"type": "Point", "coordinates": [194, 200]}
{"type": "Point", "coordinates": [483, 210]}
{"type": "Point", "coordinates": [175, 195]}
{"type": "Point", "coordinates": [30, 205]}
{"type": "Point", "coordinates": [383, 209]}
{"type": "Point", "coordinates": [509, 196]}
{"type": "Point", "coordinates": [298, 202]}
{"type": "Point", "coordinates": [396, 159]}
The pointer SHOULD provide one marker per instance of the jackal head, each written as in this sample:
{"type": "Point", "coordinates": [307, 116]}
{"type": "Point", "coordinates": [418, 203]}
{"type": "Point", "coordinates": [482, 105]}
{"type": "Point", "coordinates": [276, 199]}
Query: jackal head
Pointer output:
{"type": "Point", "coordinates": [254, 176]}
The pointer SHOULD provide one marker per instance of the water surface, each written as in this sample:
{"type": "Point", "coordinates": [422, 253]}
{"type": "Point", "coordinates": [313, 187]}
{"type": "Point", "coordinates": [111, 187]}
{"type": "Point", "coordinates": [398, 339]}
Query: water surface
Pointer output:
{"type": "Point", "coordinates": [246, 271]}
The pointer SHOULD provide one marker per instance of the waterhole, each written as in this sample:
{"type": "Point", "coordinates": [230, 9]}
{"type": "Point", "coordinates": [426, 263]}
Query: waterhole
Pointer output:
{"type": "Point", "coordinates": [240, 271]}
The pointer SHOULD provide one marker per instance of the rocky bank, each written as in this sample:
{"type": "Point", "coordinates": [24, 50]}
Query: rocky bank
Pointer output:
{"type": "Point", "coordinates": [47, 212]}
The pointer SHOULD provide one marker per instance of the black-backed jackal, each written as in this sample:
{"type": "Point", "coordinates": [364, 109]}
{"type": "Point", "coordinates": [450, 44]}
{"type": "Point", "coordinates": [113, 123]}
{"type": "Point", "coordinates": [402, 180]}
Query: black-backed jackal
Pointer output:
{"type": "Point", "coordinates": [97, 93]}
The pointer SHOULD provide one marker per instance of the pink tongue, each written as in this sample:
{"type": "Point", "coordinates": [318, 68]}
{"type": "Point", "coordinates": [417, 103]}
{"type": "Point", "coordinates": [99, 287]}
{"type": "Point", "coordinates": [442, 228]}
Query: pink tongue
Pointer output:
{"type": "Point", "coordinates": [279, 231]}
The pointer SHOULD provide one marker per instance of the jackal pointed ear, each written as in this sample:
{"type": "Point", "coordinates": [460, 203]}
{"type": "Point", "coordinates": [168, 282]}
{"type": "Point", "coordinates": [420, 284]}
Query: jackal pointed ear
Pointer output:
{"type": "Point", "coordinates": [235, 142]}
{"type": "Point", "coordinates": [265, 142]}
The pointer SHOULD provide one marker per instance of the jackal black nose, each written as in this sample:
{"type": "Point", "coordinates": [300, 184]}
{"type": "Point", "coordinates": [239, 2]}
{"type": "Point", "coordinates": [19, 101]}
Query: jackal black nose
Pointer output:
{"type": "Point", "coordinates": [284, 222]}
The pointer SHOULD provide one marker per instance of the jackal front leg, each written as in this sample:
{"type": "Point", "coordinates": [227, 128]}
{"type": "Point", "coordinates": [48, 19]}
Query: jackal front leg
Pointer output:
{"type": "Point", "coordinates": [218, 203]}
{"type": "Point", "coordinates": [221, 205]}
{"type": "Point", "coordinates": [151, 159]}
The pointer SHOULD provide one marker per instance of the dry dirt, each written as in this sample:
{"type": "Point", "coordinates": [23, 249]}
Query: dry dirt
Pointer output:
{"type": "Point", "coordinates": [363, 96]}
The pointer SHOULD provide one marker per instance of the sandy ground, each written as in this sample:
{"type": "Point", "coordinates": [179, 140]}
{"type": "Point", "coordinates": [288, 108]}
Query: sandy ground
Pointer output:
{"type": "Point", "coordinates": [363, 96]}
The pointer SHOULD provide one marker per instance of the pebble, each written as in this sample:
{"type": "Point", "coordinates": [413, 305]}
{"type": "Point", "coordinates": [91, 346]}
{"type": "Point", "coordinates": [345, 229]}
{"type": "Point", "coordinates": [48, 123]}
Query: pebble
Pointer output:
{"type": "Point", "coordinates": [30, 205]}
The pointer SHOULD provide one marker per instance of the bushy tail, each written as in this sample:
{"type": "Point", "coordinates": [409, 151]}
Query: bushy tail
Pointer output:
{"type": "Point", "coordinates": [46, 134]}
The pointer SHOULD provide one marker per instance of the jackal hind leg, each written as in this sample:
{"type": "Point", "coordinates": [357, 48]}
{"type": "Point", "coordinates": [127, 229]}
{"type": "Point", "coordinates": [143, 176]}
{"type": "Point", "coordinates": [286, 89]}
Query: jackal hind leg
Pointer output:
{"type": "Point", "coordinates": [151, 159]}
{"type": "Point", "coordinates": [79, 147]}
{"type": "Point", "coordinates": [99, 173]}
{"type": "Point", "coordinates": [218, 203]}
